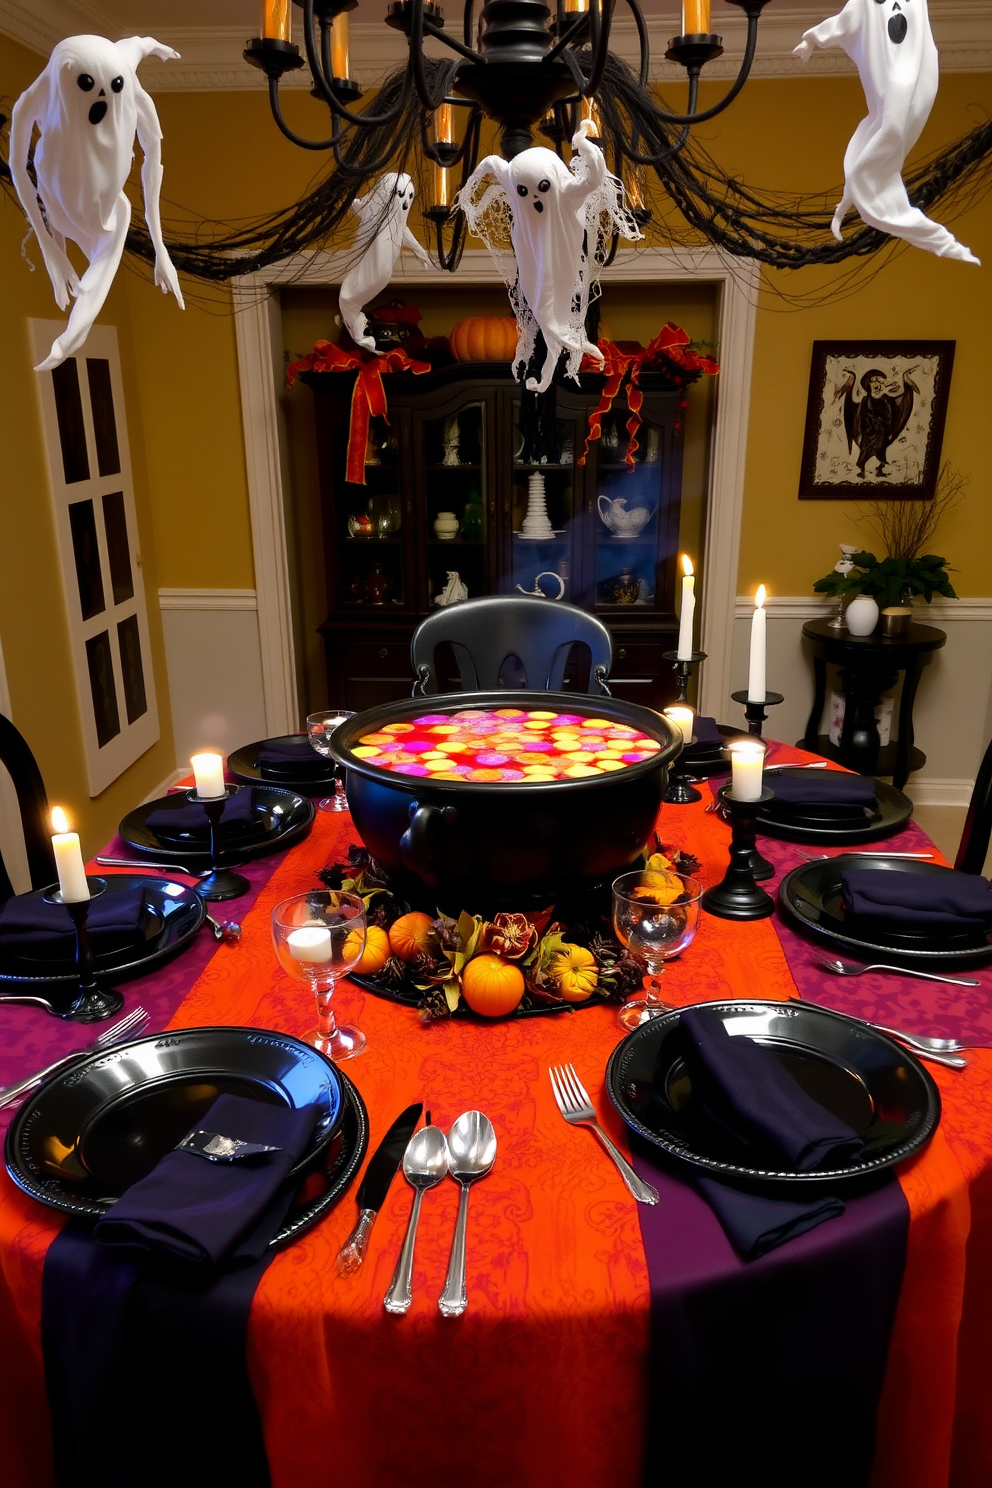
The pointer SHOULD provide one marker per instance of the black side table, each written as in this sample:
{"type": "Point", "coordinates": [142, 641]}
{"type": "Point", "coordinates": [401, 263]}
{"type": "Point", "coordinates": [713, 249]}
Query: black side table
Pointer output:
{"type": "Point", "coordinates": [869, 665]}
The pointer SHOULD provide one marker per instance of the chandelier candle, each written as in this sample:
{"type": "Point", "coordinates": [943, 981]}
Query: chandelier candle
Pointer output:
{"type": "Point", "coordinates": [68, 860]}
{"type": "Point", "coordinates": [340, 60]}
{"type": "Point", "coordinates": [208, 772]}
{"type": "Point", "coordinates": [688, 610]}
{"type": "Point", "coordinates": [695, 17]}
{"type": "Point", "coordinates": [276, 20]}
{"type": "Point", "coordinates": [747, 762]}
{"type": "Point", "coordinates": [756, 668]}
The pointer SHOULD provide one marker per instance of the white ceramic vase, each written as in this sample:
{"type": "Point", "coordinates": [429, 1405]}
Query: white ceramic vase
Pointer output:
{"type": "Point", "coordinates": [861, 615]}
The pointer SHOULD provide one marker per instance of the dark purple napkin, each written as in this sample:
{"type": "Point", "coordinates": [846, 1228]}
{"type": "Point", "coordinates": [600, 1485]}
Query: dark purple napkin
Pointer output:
{"type": "Point", "coordinates": [201, 1211]}
{"type": "Point", "coordinates": [180, 823]}
{"type": "Point", "coordinates": [291, 759]}
{"type": "Point", "coordinates": [745, 1090]}
{"type": "Point", "coordinates": [756, 1223]}
{"type": "Point", "coordinates": [827, 788]}
{"type": "Point", "coordinates": [30, 927]}
{"type": "Point", "coordinates": [706, 734]}
{"type": "Point", "coordinates": [958, 901]}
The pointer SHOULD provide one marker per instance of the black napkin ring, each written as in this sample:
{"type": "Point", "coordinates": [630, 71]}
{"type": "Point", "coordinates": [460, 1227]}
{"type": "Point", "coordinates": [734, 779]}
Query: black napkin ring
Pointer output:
{"type": "Point", "coordinates": [217, 1148]}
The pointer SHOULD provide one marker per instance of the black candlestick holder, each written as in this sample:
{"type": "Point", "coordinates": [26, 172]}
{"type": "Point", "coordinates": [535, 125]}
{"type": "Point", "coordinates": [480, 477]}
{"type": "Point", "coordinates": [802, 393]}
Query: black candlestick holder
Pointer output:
{"type": "Point", "coordinates": [220, 882]}
{"type": "Point", "coordinates": [738, 897]}
{"type": "Point", "coordinates": [680, 792]}
{"type": "Point", "coordinates": [92, 1003]}
{"type": "Point", "coordinates": [755, 712]}
{"type": "Point", "coordinates": [683, 670]}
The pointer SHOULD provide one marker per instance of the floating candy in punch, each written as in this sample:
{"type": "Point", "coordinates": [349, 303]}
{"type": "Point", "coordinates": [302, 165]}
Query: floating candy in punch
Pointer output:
{"type": "Point", "coordinates": [892, 46]}
{"type": "Point", "coordinates": [88, 106]}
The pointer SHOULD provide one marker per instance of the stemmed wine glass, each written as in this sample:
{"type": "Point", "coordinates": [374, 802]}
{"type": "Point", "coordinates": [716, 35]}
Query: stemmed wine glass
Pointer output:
{"type": "Point", "coordinates": [320, 727]}
{"type": "Point", "coordinates": [653, 933]}
{"type": "Point", "coordinates": [319, 937]}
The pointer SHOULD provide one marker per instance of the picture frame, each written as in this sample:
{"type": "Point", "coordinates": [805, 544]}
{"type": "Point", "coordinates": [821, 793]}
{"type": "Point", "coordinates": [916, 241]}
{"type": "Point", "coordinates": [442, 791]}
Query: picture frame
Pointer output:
{"type": "Point", "coordinates": [875, 420]}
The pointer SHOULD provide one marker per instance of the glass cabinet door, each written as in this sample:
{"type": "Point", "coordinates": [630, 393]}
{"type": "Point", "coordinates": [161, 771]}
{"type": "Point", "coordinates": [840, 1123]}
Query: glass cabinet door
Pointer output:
{"type": "Point", "coordinates": [545, 515]}
{"type": "Point", "coordinates": [456, 503]}
{"type": "Point", "coordinates": [371, 536]}
{"type": "Point", "coordinates": [631, 519]}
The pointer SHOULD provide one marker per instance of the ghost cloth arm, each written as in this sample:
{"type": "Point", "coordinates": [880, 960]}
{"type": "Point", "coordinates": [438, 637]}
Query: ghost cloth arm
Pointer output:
{"type": "Point", "coordinates": [411, 241]}
{"type": "Point", "coordinates": [26, 113]}
{"type": "Point", "coordinates": [149, 133]}
{"type": "Point", "coordinates": [836, 31]}
{"type": "Point", "coordinates": [587, 180]}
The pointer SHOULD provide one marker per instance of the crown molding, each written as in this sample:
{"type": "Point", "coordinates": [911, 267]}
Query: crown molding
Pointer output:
{"type": "Point", "coordinates": [211, 60]}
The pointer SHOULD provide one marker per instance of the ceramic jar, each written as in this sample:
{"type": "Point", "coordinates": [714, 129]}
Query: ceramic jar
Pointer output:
{"type": "Point", "coordinates": [625, 588]}
{"type": "Point", "coordinates": [445, 526]}
{"type": "Point", "coordinates": [861, 615]}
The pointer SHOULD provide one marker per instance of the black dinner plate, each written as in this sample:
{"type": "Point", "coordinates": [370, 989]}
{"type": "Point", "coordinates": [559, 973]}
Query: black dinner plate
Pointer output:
{"type": "Point", "coordinates": [716, 761]}
{"type": "Point", "coordinates": [280, 818]}
{"type": "Point", "coordinates": [894, 811]}
{"type": "Point", "coordinates": [103, 1123]}
{"type": "Point", "coordinates": [868, 1080]}
{"type": "Point", "coordinates": [810, 897]}
{"type": "Point", "coordinates": [243, 765]}
{"type": "Point", "coordinates": [176, 914]}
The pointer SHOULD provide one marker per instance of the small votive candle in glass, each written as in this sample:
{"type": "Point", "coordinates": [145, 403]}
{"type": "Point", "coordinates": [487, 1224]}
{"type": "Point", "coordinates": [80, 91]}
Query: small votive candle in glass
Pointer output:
{"type": "Point", "coordinates": [311, 944]}
{"type": "Point", "coordinates": [747, 761]}
{"type": "Point", "coordinates": [68, 860]}
{"type": "Point", "coordinates": [208, 772]}
{"type": "Point", "coordinates": [682, 718]}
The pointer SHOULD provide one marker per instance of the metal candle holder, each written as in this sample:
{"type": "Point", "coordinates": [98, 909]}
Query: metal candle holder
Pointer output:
{"type": "Point", "coordinates": [220, 882]}
{"type": "Point", "coordinates": [738, 897]}
{"type": "Point", "coordinates": [680, 792]}
{"type": "Point", "coordinates": [755, 712]}
{"type": "Point", "coordinates": [683, 670]}
{"type": "Point", "coordinates": [92, 1003]}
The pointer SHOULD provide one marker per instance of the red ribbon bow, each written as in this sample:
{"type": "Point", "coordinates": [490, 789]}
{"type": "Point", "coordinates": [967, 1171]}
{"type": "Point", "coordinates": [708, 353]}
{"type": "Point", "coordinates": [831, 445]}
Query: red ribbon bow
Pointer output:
{"type": "Point", "coordinates": [368, 397]}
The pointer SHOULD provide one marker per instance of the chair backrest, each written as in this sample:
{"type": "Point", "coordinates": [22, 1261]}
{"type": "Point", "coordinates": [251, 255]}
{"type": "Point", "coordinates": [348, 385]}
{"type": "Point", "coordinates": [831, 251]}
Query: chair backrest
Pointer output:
{"type": "Point", "coordinates": [20, 763]}
{"type": "Point", "coordinates": [483, 633]}
{"type": "Point", "coordinates": [974, 845]}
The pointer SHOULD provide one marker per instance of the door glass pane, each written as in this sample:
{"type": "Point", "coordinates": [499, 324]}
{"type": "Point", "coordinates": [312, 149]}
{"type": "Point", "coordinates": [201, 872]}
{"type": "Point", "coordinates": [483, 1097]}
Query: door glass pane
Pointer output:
{"type": "Point", "coordinates": [627, 515]}
{"type": "Point", "coordinates": [457, 519]}
{"type": "Point", "coordinates": [89, 580]}
{"type": "Point", "coordinates": [115, 527]}
{"type": "Point", "coordinates": [108, 456]}
{"type": "Point", "coordinates": [370, 525]}
{"type": "Point", "coordinates": [132, 672]}
{"type": "Point", "coordinates": [544, 517]}
{"type": "Point", "coordinates": [69, 413]}
{"type": "Point", "coordinates": [101, 669]}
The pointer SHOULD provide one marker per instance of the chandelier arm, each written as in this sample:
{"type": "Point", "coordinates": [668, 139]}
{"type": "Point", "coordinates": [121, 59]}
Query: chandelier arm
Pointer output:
{"type": "Point", "coordinates": [600, 17]}
{"type": "Point", "coordinates": [745, 69]}
{"type": "Point", "coordinates": [643, 40]}
{"type": "Point", "coordinates": [431, 150]}
{"type": "Point", "coordinates": [291, 135]}
{"type": "Point", "coordinates": [415, 41]}
{"type": "Point", "coordinates": [449, 41]}
{"type": "Point", "coordinates": [658, 157]}
{"type": "Point", "coordinates": [468, 22]}
{"type": "Point", "coordinates": [363, 121]}
{"type": "Point", "coordinates": [566, 37]}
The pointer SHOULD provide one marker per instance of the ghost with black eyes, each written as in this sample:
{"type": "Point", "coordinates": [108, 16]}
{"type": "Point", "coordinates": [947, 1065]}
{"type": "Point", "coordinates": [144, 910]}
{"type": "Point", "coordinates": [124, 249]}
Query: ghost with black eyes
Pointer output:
{"type": "Point", "coordinates": [558, 217]}
{"type": "Point", "coordinates": [383, 232]}
{"type": "Point", "coordinates": [88, 107]}
{"type": "Point", "coordinates": [892, 46]}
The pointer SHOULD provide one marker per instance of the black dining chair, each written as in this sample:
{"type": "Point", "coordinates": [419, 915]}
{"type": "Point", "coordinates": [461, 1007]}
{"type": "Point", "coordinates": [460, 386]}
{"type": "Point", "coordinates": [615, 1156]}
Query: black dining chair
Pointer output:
{"type": "Point", "coordinates": [974, 845]}
{"type": "Point", "coordinates": [487, 634]}
{"type": "Point", "coordinates": [32, 801]}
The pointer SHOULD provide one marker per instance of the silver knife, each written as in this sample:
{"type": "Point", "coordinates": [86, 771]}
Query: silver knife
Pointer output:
{"type": "Point", "coordinates": [375, 1185]}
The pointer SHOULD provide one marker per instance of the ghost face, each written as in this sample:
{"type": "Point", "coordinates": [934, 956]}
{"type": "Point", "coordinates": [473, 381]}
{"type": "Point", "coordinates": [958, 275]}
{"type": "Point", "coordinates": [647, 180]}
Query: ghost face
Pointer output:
{"type": "Point", "coordinates": [897, 24]}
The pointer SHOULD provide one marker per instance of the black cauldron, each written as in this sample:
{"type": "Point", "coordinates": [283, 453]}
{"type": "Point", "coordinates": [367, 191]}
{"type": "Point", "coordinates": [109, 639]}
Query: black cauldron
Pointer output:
{"type": "Point", "coordinates": [469, 845]}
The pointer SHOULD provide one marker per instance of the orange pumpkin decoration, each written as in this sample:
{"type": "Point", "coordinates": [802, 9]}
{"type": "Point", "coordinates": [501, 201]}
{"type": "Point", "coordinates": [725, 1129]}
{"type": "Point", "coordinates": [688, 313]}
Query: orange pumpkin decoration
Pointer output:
{"type": "Point", "coordinates": [491, 986]}
{"type": "Point", "coordinates": [410, 934]}
{"type": "Point", "coordinates": [485, 338]}
{"type": "Point", "coordinates": [574, 972]}
{"type": "Point", "coordinates": [376, 953]}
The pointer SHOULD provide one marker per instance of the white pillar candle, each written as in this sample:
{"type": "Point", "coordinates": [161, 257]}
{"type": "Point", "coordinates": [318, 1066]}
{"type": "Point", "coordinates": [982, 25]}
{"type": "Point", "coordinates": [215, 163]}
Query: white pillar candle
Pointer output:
{"type": "Point", "coordinates": [311, 943]}
{"type": "Point", "coordinates": [746, 762]}
{"type": "Point", "coordinates": [68, 860]}
{"type": "Point", "coordinates": [682, 718]}
{"type": "Point", "coordinates": [208, 771]}
{"type": "Point", "coordinates": [688, 610]}
{"type": "Point", "coordinates": [756, 667]}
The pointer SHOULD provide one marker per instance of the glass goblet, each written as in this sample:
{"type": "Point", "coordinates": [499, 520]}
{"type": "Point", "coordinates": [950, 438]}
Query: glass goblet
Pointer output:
{"type": "Point", "coordinates": [653, 933]}
{"type": "Point", "coordinates": [320, 727]}
{"type": "Point", "coordinates": [318, 938]}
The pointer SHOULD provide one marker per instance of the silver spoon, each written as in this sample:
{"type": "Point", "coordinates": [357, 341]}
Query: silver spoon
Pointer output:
{"type": "Point", "coordinates": [857, 853]}
{"type": "Point", "coordinates": [224, 929]}
{"type": "Point", "coordinates": [425, 1163]}
{"type": "Point", "coordinates": [937, 1051]}
{"type": "Point", "coordinates": [471, 1153]}
{"type": "Point", "coordinates": [840, 968]}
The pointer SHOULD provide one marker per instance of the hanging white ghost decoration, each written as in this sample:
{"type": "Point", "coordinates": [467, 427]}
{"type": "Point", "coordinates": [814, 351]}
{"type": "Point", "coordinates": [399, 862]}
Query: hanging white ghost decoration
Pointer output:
{"type": "Point", "coordinates": [88, 106]}
{"type": "Point", "coordinates": [383, 232]}
{"type": "Point", "coordinates": [559, 216]}
{"type": "Point", "coordinates": [892, 46]}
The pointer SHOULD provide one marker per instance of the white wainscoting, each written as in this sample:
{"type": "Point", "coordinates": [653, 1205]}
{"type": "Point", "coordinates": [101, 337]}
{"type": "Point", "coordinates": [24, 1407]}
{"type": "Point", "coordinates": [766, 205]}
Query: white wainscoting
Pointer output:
{"type": "Point", "coordinates": [953, 711]}
{"type": "Point", "coordinates": [214, 664]}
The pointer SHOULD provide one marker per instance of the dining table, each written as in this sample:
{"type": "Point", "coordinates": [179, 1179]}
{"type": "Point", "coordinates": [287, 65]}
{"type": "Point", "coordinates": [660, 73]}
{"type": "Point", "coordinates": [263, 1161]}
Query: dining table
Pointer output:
{"type": "Point", "coordinates": [605, 1342]}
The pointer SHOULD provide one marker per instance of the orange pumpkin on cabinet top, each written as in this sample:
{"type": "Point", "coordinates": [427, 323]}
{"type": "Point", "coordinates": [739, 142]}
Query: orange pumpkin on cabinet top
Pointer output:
{"type": "Point", "coordinates": [485, 338]}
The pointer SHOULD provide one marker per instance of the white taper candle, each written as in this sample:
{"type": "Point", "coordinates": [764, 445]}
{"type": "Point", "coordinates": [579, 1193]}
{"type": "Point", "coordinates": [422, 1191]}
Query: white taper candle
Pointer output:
{"type": "Point", "coordinates": [687, 611]}
{"type": "Point", "coordinates": [68, 860]}
{"type": "Point", "coordinates": [756, 666]}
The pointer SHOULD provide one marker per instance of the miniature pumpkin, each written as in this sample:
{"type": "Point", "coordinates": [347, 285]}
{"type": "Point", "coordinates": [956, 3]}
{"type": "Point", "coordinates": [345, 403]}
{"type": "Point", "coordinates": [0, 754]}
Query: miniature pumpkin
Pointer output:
{"type": "Point", "coordinates": [485, 338]}
{"type": "Point", "coordinates": [574, 973]}
{"type": "Point", "coordinates": [491, 986]}
{"type": "Point", "coordinates": [376, 953]}
{"type": "Point", "coordinates": [410, 934]}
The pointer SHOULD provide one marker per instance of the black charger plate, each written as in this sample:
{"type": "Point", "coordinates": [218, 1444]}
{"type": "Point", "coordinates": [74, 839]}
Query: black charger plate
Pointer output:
{"type": "Point", "coordinates": [176, 914]}
{"type": "Point", "coordinates": [280, 818]}
{"type": "Point", "coordinates": [332, 1177]}
{"type": "Point", "coordinates": [865, 1078]}
{"type": "Point", "coordinates": [894, 811]}
{"type": "Point", "coordinates": [103, 1123]}
{"type": "Point", "coordinates": [810, 897]}
{"type": "Point", "coordinates": [702, 763]}
{"type": "Point", "coordinates": [243, 765]}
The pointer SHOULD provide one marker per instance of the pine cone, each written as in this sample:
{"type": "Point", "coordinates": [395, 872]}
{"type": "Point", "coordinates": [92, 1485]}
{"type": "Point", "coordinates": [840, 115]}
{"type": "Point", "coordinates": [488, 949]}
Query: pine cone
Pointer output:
{"type": "Point", "coordinates": [434, 1006]}
{"type": "Point", "coordinates": [688, 863]}
{"type": "Point", "coordinates": [392, 973]}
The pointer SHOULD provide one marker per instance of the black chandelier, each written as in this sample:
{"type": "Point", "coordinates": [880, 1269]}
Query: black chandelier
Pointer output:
{"type": "Point", "coordinates": [526, 69]}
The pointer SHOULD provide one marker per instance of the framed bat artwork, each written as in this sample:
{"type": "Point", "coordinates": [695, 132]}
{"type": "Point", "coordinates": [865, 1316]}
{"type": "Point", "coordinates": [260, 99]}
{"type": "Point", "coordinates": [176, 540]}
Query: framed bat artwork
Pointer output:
{"type": "Point", "coordinates": [875, 419]}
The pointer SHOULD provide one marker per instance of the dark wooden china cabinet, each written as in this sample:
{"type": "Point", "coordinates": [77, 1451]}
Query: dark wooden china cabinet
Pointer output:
{"type": "Point", "coordinates": [450, 454]}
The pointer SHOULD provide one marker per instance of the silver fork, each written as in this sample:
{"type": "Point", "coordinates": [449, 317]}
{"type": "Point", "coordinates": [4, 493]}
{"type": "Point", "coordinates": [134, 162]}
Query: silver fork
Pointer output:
{"type": "Point", "coordinates": [937, 1051]}
{"type": "Point", "coordinates": [576, 1107]}
{"type": "Point", "coordinates": [855, 852]}
{"type": "Point", "coordinates": [115, 1034]}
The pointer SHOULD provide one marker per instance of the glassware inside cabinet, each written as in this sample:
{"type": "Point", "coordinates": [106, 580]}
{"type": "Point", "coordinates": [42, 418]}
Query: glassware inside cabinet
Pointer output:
{"type": "Point", "coordinates": [627, 511]}
{"type": "Point", "coordinates": [370, 521]}
{"type": "Point", "coordinates": [456, 519]}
